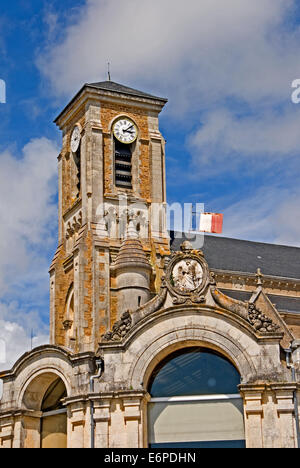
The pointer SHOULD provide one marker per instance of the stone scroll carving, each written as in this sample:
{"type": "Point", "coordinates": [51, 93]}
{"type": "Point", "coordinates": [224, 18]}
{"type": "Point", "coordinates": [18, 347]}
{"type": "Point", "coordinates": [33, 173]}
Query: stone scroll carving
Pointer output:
{"type": "Point", "coordinates": [237, 307]}
{"type": "Point", "coordinates": [123, 326]}
{"type": "Point", "coordinates": [119, 329]}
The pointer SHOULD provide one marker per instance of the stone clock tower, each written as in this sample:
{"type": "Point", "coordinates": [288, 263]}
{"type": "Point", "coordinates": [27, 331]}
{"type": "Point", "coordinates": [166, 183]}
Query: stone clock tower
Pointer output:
{"type": "Point", "coordinates": [152, 345]}
{"type": "Point", "coordinates": [111, 177]}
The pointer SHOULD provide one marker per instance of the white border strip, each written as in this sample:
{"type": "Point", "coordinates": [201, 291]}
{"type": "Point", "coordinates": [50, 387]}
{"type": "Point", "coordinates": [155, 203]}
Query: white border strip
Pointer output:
{"type": "Point", "coordinates": [233, 396]}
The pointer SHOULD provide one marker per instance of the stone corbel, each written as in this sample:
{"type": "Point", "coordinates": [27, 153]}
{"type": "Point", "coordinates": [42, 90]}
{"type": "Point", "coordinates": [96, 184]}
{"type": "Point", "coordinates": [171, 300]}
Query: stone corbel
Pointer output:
{"type": "Point", "coordinates": [132, 409]}
{"type": "Point", "coordinates": [285, 398]}
{"type": "Point", "coordinates": [102, 411]}
{"type": "Point", "coordinates": [67, 324]}
{"type": "Point", "coordinates": [77, 413]}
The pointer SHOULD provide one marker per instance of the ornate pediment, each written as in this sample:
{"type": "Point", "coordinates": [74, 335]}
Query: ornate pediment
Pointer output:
{"type": "Point", "coordinates": [189, 282]}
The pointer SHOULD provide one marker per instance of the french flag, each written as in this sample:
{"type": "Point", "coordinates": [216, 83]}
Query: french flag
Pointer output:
{"type": "Point", "coordinates": [211, 222]}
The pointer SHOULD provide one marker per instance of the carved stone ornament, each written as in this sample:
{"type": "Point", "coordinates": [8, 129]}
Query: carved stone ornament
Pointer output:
{"type": "Point", "coordinates": [67, 324]}
{"type": "Point", "coordinates": [187, 275]}
{"type": "Point", "coordinates": [261, 322]}
{"type": "Point", "coordinates": [119, 329]}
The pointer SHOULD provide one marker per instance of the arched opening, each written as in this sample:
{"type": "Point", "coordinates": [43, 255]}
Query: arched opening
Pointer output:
{"type": "Point", "coordinates": [45, 424]}
{"type": "Point", "coordinates": [195, 402]}
{"type": "Point", "coordinates": [54, 417]}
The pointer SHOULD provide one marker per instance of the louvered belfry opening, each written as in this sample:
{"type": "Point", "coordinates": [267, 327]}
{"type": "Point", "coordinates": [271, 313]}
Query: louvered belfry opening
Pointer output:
{"type": "Point", "coordinates": [77, 160]}
{"type": "Point", "coordinates": [123, 165]}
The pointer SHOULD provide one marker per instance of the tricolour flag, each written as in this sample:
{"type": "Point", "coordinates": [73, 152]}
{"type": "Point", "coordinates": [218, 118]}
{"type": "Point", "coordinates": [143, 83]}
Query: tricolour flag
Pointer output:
{"type": "Point", "coordinates": [211, 222]}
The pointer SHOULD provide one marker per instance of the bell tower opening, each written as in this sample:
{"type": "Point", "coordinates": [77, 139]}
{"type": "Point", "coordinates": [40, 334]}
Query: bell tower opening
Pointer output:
{"type": "Point", "coordinates": [123, 164]}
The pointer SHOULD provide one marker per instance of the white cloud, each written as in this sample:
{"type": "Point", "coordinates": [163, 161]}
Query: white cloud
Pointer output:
{"type": "Point", "coordinates": [15, 339]}
{"type": "Point", "coordinates": [28, 215]}
{"type": "Point", "coordinates": [207, 55]}
{"type": "Point", "coordinates": [225, 140]}
{"type": "Point", "coordinates": [270, 215]}
{"type": "Point", "coordinates": [197, 53]}
{"type": "Point", "coordinates": [28, 212]}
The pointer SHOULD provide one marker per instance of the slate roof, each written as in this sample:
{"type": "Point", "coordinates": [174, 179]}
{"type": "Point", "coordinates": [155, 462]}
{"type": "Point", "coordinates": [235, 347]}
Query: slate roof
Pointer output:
{"type": "Point", "coordinates": [223, 253]}
{"type": "Point", "coordinates": [113, 87]}
{"type": "Point", "coordinates": [285, 304]}
{"type": "Point", "coordinates": [238, 295]}
{"type": "Point", "coordinates": [118, 88]}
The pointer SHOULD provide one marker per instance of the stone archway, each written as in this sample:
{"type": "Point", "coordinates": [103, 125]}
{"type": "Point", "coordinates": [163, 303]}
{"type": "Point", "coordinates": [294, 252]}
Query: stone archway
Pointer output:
{"type": "Point", "coordinates": [45, 419]}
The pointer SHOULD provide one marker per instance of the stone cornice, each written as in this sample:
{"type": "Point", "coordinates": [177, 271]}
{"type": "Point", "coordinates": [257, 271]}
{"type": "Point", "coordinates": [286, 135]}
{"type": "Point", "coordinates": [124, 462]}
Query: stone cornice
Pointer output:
{"type": "Point", "coordinates": [252, 278]}
{"type": "Point", "coordinates": [89, 92]}
{"type": "Point", "coordinates": [46, 350]}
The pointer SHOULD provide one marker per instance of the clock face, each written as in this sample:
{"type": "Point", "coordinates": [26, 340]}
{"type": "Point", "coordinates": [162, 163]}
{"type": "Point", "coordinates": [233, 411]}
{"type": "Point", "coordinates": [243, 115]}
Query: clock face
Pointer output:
{"type": "Point", "coordinates": [75, 139]}
{"type": "Point", "coordinates": [125, 131]}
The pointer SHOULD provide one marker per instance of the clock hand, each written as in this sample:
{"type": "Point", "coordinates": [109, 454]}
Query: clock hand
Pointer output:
{"type": "Point", "coordinates": [128, 128]}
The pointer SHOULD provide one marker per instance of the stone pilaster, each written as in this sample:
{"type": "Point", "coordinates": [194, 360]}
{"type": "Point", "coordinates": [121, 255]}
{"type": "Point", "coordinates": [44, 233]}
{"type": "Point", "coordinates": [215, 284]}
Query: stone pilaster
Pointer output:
{"type": "Point", "coordinates": [253, 413]}
{"type": "Point", "coordinates": [77, 424]}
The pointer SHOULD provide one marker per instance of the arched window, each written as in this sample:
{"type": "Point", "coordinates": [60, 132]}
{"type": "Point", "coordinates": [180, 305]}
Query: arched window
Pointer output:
{"type": "Point", "coordinates": [195, 402]}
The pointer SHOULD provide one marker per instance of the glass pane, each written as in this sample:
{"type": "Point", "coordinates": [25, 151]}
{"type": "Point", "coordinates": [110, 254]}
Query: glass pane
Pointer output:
{"type": "Point", "coordinates": [193, 421]}
{"type": "Point", "coordinates": [194, 371]}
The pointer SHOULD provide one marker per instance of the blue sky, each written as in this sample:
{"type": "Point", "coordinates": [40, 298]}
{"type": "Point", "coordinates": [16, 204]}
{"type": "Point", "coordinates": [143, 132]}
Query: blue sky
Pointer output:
{"type": "Point", "coordinates": [232, 131]}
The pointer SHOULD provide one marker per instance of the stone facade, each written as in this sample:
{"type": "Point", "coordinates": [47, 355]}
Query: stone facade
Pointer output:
{"type": "Point", "coordinates": [120, 305]}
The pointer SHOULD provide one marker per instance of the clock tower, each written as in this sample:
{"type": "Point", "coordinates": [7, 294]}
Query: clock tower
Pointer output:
{"type": "Point", "coordinates": [112, 212]}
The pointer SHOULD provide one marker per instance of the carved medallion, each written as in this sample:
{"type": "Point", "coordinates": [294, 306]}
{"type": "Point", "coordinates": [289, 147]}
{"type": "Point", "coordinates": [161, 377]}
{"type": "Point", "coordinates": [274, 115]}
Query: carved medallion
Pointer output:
{"type": "Point", "coordinates": [187, 275]}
